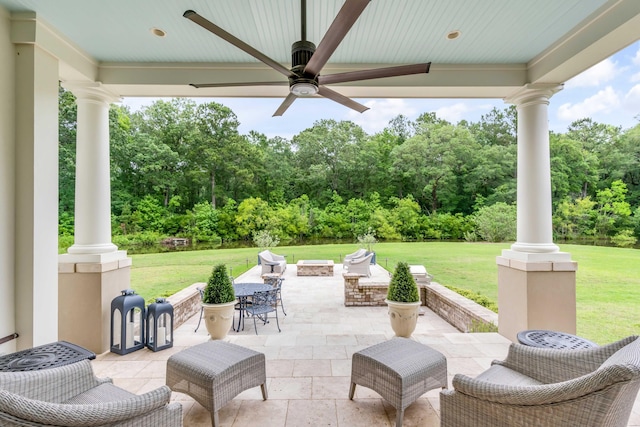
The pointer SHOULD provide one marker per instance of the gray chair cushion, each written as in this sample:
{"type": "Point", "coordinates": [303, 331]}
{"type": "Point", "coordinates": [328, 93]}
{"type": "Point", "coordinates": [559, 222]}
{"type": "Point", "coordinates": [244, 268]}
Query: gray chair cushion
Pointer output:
{"type": "Point", "coordinates": [498, 374]}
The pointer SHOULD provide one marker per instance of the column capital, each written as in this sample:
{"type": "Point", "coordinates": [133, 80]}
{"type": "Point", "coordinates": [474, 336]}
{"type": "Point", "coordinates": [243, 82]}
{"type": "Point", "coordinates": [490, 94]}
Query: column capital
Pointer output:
{"type": "Point", "coordinates": [92, 91]}
{"type": "Point", "coordinates": [532, 92]}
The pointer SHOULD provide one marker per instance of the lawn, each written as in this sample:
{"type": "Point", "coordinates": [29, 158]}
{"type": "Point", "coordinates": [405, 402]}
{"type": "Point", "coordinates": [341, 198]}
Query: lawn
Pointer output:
{"type": "Point", "coordinates": [608, 279]}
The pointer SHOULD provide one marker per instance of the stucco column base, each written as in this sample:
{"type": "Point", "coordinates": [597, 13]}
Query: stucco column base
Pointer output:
{"type": "Point", "coordinates": [85, 292]}
{"type": "Point", "coordinates": [536, 295]}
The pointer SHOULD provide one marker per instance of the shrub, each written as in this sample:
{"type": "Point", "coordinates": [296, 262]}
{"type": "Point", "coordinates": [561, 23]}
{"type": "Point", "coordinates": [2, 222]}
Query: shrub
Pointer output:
{"type": "Point", "coordinates": [264, 239]}
{"type": "Point", "coordinates": [496, 223]}
{"type": "Point", "coordinates": [475, 297]}
{"type": "Point", "coordinates": [402, 287]}
{"type": "Point", "coordinates": [624, 239]}
{"type": "Point", "coordinates": [368, 239]}
{"type": "Point", "coordinates": [219, 289]}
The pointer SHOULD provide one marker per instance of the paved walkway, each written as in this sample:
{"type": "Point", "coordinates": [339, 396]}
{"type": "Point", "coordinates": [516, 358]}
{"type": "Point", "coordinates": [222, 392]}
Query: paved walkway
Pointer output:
{"type": "Point", "coordinates": [309, 362]}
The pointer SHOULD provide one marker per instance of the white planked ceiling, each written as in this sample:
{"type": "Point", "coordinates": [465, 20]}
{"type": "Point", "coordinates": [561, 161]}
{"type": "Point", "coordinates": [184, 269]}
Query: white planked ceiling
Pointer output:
{"type": "Point", "coordinates": [513, 33]}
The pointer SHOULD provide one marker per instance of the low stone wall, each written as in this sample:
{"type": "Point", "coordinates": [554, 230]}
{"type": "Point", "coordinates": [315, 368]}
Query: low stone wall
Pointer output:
{"type": "Point", "coordinates": [459, 311]}
{"type": "Point", "coordinates": [185, 303]}
{"type": "Point", "coordinates": [361, 294]}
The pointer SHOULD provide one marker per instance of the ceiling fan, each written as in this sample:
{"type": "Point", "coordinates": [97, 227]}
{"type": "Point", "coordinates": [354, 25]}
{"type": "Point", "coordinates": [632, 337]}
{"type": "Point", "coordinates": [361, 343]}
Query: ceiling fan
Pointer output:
{"type": "Point", "coordinates": [307, 60]}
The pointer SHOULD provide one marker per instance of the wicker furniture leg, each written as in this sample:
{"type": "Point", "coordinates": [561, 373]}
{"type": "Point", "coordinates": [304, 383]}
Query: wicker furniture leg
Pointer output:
{"type": "Point", "coordinates": [400, 370]}
{"type": "Point", "coordinates": [215, 372]}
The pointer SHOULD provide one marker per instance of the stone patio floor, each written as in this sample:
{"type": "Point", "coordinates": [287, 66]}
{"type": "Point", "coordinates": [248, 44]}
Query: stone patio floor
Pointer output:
{"type": "Point", "coordinates": [309, 362]}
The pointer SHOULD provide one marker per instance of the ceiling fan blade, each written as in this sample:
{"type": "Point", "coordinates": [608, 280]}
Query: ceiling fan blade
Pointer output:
{"type": "Point", "coordinates": [377, 73]}
{"type": "Point", "coordinates": [341, 99]}
{"type": "Point", "coordinates": [285, 104]}
{"type": "Point", "coordinates": [348, 15]}
{"type": "Point", "coordinates": [208, 25]}
{"type": "Point", "coordinates": [203, 85]}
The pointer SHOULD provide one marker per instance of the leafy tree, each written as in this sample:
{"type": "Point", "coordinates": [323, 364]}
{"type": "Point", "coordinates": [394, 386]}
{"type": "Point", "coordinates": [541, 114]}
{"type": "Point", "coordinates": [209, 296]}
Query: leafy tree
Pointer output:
{"type": "Point", "coordinates": [67, 115]}
{"type": "Point", "coordinates": [204, 222]}
{"type": "Point", "coordinates": [602, 141]}
{"type": "Point", "coordinates": [211, 153]}
{"type": "Point", "coordinates": [498, 127]}
{"type": "Point", "coordinates": [573, 169]}
{"type": "Point", "coordinates": [432, 164]}
{"type": "Point", "coordinates": [406, 217]}
{"type": "Point", "coordinates": [253, 215]}
{"type": "Point", "coordinates": [613, 210]}
{"type": "Point", "coordinates": [152, 160]}
{"type": "Point", "coordinates": [149, 214]}
{"type": "Point", "coordinates": [326, 159]}
{"type": "Point", "coordinates": [574, 219]}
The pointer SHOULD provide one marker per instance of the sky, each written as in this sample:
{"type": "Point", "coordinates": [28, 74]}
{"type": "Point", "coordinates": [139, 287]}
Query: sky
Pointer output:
{"type": "Point", "coordinates": [608, 92]}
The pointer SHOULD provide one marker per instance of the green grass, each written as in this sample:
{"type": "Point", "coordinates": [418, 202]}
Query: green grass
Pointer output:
{"type": "Point", "coordinates": [608, 279]}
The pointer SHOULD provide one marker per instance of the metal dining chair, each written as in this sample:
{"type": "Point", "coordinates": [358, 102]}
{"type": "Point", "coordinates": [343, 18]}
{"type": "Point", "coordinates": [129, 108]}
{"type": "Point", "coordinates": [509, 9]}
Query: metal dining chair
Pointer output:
{"type": "Point", "coordinates": [264, 302]}
{"type": "Point", "coordinates": [276, 282]}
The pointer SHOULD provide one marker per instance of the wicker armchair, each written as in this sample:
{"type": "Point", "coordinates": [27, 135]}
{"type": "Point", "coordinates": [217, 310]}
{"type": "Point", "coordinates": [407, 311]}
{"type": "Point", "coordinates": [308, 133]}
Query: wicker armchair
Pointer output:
{"type": "Point", "coordinates": [71, 395]}
{"type": "Point", "coordinates": [360, 265]}
{"type": "Point", "coordinates": [547, 387]}
{"type": "Point", "coordinates": [357, 254]}
{"type": "Point", "coordinates": [272, 263]}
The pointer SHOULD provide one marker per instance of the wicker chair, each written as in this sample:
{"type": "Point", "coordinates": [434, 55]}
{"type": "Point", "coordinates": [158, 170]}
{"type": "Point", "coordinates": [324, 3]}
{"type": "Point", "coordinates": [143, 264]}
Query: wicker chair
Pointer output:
{"type": "Point", "coordinates": [272, 263]}
{"type": "Point", "coordinates": [71, 395]}
{"type": "Point", "coordinates": [360, 265]}
{"type": "Point", "coordinates": [547, 387]}
{"type": "Point", "coordinates": [357, 254]}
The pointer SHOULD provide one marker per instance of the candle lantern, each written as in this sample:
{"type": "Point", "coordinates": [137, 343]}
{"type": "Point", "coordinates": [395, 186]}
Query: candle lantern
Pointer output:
{"type": "Point", "coordinates": [159, 325]}
{"type": "Point", "coordinates": [127, 322]}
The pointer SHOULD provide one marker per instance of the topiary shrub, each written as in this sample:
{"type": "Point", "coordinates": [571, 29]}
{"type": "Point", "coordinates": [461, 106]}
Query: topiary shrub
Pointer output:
{"type": "Point", "coordinates": [219, 289]}
{"type": "Point", "coordinates": [402, 287]}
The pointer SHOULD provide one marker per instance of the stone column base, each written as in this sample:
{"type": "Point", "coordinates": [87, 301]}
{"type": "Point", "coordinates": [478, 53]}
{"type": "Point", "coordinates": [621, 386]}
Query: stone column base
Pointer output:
{"type": "Point", "coordinates": [85, 292]}
{"type": "Point", "coordinates": [536, 295]}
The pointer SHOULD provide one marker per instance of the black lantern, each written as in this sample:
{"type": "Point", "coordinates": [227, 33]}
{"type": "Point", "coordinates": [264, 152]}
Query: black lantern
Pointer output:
{"type": "Point", "coordinates": [159, 328]}
{"type": "Point", "coordinates": [127, 322]}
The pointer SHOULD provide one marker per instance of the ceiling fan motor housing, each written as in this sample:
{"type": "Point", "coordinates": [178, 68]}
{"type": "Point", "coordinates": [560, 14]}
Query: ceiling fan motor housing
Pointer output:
{"type": "Point", "coordinates": [301, 52]}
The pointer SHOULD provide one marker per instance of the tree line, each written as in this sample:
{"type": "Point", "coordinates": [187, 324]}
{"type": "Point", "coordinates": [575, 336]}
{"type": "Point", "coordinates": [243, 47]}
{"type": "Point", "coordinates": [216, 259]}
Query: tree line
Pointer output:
{"type": "Point", "coordinates": [179, 168]}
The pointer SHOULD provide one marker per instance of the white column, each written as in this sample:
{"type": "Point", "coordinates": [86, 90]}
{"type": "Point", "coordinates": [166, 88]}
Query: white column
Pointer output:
{"type": "Point", "coordinates": [536, 282]}
{"type": "Point", "coordinates": [93, 188]}
{"type": "Point", "coordinates": [36, 196]}
{"type": "Point", "coordinates": [534, 210]}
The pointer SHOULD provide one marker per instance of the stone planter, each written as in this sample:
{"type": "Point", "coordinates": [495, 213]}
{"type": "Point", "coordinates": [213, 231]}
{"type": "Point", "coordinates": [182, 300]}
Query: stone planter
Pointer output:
{"type": "Point", "coordinates": [403, 317]}
{"type": "Point", "coordinates": [218, 318]}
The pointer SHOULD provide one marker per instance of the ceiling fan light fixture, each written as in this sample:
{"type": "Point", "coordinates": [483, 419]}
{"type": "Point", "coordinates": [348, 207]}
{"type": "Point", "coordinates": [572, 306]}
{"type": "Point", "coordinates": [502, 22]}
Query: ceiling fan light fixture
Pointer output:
{"type": "Point", "coordinates": [304, 88]}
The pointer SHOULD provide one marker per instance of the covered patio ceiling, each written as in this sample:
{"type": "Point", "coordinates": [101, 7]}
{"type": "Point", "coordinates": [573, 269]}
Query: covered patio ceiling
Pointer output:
{"type": "Point", "coordinates": [503, 44]}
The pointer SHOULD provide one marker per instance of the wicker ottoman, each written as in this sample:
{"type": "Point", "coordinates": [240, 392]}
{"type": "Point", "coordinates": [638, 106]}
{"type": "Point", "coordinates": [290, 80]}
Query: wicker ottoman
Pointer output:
{"type": "Point", "coordinates": [215, 372]}
{"type": "Point", "coordinates": [400, 370]}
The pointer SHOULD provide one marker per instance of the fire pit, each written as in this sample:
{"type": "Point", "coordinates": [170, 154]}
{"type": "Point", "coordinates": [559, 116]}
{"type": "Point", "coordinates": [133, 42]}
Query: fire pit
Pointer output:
{"type": "Point", "coordinates": [315, 267]}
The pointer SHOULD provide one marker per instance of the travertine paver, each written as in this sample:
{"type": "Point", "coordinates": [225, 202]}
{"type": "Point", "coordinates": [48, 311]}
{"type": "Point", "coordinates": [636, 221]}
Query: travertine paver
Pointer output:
{"type": "Point", "coordinates": [309, 362]}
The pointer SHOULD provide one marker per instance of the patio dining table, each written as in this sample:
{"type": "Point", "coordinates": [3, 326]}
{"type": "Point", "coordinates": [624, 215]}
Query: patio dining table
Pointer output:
{"type": "Point", "coordinates": [243, 291]}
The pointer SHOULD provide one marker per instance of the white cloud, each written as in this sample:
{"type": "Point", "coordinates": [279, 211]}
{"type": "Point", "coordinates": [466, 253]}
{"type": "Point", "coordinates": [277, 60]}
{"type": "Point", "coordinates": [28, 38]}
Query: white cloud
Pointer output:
{"type": "Point", "coordinates": [462, 110]}
{"type": "Point", "coordinates": [380, 112]}
{"type": "Point", "coordinates": [602, 102]}
{"type": "Point", "coordinates": [454, 113]}
{"type": "Point", "coordinates": [635, 78]}
{"type": "Point", "coordinates": [632, 99]}
{"type": "Point", "coordinates": [636, 59]}
{"type": "Point", "coordinates": [597, 75]}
